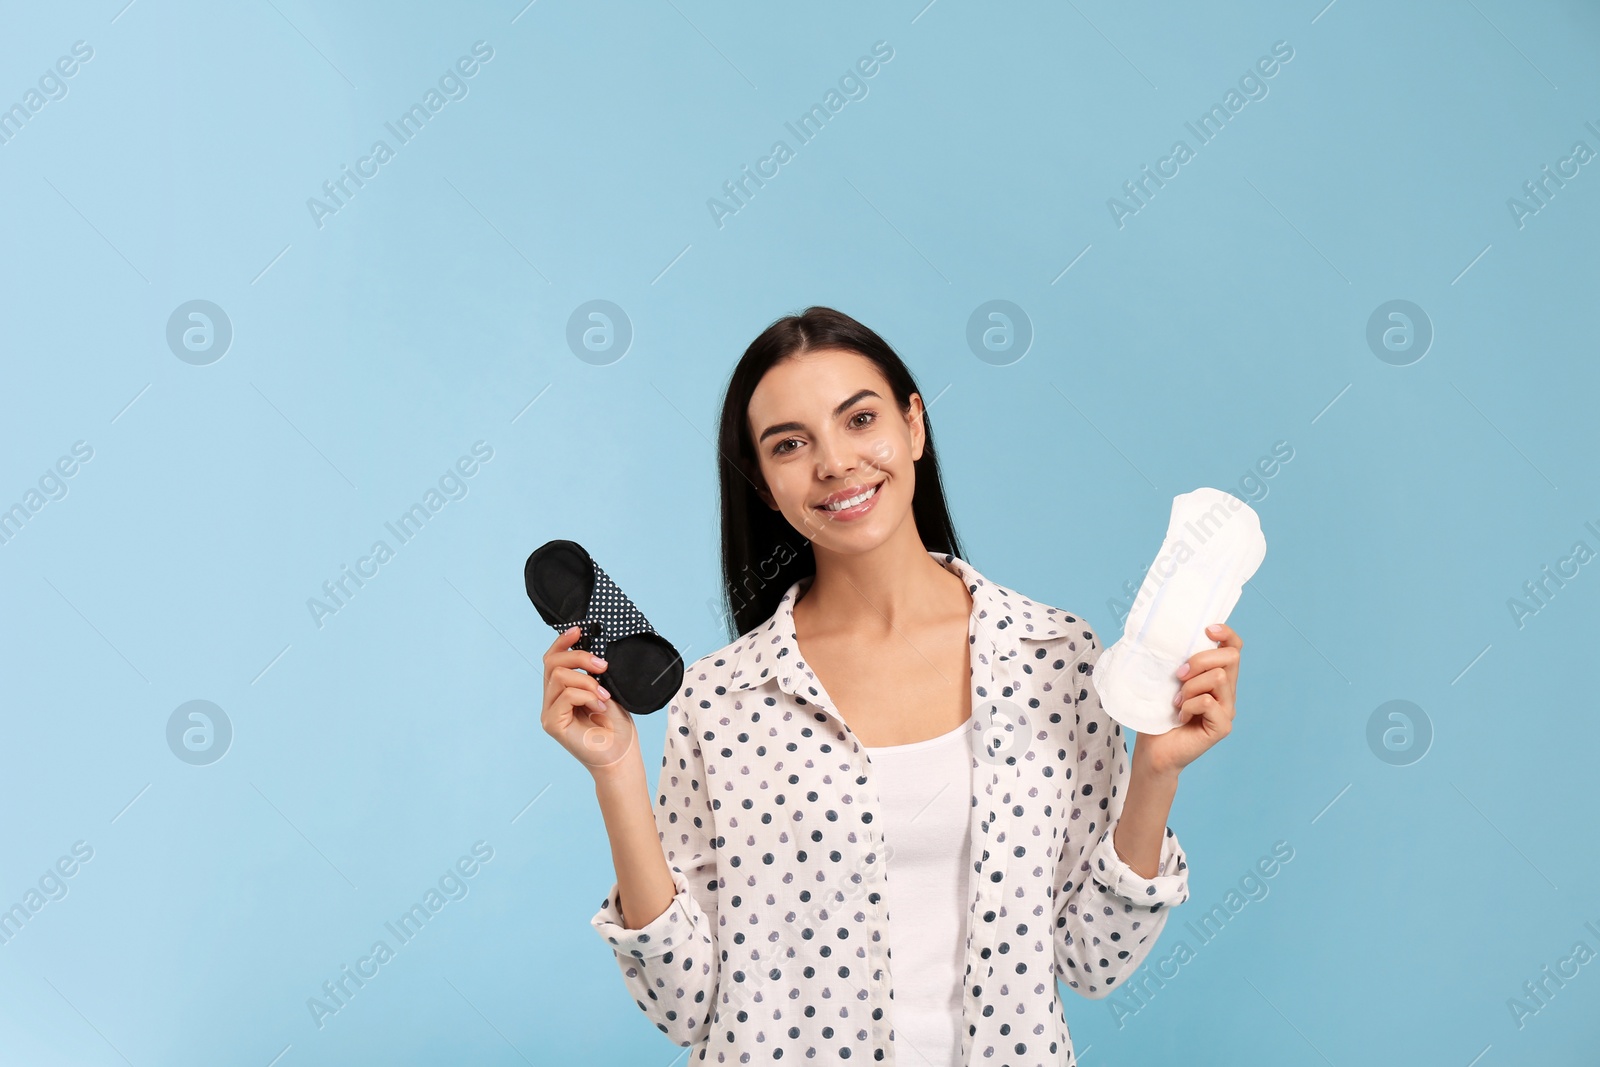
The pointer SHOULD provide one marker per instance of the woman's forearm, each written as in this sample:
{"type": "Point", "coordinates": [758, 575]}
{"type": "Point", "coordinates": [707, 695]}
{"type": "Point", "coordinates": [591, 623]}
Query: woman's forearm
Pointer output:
{"type": "Point", "coordinates": [1143, 823]}
{"type": "Point", "coordinates": [644, 882]}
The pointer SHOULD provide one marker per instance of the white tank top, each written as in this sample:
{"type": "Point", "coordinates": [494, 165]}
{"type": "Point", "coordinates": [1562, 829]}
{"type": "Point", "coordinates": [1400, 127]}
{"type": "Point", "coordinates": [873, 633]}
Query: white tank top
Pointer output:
{"type": "Point", "coordinates": [926, 793]}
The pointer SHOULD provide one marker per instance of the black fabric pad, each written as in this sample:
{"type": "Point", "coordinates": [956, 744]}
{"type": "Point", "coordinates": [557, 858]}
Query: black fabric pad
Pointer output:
{"type": "Point", "coordinates": [568, 588]}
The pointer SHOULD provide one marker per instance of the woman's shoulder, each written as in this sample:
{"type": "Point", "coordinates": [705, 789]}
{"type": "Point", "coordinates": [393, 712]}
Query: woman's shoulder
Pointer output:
{"type": "Point", "coordinates": [715, 666]}
{"type": "Point", "coordinates": [709, 678]}
{"type": "Point", "coordinates": [1028, 618]}
{"type": "Point", "coordinates": [1059, 636]}
{"type": "Point", "coordinates": [1055, 655]}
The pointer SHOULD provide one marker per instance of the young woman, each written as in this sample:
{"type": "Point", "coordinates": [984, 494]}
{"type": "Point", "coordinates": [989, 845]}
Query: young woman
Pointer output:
{"type": "Point", "coordinates": [892, 812]}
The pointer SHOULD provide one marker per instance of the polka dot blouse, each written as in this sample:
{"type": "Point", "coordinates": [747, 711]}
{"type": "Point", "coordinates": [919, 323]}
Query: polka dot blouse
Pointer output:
{"type": "Point", "coordinates": [776, 946]}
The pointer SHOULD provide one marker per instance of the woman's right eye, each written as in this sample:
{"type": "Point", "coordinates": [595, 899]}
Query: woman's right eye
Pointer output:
{"type": "Point", "coordinates": [779, 450]}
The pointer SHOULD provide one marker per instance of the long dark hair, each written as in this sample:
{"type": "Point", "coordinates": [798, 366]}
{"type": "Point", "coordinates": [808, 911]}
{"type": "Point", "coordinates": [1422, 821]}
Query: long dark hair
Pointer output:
{"type": "Point", "coordinates": [762, 554]}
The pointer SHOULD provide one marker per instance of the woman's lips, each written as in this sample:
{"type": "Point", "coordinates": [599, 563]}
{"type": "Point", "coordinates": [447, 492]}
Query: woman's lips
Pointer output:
{"type": "Point", "coordinates": [848, 514]}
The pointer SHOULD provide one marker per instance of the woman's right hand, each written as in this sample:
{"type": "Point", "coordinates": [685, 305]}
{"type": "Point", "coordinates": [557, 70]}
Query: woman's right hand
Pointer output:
{"type": "Point", "coordinates": [579, 712]}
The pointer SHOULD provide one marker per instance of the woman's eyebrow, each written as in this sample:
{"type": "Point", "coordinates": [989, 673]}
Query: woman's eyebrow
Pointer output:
{"type": "Point", "coordinates": [844, 405]}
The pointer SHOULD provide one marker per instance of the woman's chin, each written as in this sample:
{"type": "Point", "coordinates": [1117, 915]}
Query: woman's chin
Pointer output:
{"type": "Point", "coordinates": [851, 538]}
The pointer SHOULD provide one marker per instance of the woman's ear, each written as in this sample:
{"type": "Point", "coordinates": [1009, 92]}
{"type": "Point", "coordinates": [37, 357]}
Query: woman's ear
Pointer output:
{"type": "Point", "coordinates": [919, 433]}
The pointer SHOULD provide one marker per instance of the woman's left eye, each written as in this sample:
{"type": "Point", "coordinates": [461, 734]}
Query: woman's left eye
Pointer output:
{"type": "Point", "coordinates": [870, 415]}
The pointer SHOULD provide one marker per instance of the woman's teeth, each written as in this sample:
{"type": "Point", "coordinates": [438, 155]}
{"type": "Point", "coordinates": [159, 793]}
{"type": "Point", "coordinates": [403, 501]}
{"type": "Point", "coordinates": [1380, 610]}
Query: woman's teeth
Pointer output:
{"type": "Point", "coordinates": [853, 501]}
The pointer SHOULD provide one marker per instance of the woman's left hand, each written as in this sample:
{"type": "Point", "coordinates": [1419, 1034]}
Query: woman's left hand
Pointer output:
{"type": "Point", "coordinates": [1205, 705]}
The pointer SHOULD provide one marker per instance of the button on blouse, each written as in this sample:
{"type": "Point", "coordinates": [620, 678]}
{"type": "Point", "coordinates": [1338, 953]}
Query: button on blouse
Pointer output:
{"type": "Point", "coordinates": [775, 945]}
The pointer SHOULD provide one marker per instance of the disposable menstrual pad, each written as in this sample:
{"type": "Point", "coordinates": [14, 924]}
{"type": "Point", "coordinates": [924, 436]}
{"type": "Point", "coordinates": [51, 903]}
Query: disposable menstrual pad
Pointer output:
{"type": "Point", "coordinates": [1213, 546]}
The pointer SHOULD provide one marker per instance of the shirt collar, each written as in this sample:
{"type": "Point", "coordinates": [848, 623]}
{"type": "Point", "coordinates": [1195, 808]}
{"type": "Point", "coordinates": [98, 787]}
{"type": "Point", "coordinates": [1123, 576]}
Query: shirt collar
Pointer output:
{"type": "Point", "coordinates": [1002, 620]}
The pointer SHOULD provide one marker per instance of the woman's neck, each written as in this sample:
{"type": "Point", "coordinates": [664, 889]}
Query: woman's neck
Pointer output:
{"type": "Point", "coordinates": [894, 587]}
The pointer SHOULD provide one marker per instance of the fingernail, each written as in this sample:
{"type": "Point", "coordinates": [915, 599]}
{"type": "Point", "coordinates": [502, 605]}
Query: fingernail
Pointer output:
{"type": "Point", "coordinates": [1177, 701]}
{"type": "Point", "coordinates": [604, 693]}
{"type": "Point", "coordinates": [1183, 671]}
{"type": "Point", "coordinates": [1213, 629]}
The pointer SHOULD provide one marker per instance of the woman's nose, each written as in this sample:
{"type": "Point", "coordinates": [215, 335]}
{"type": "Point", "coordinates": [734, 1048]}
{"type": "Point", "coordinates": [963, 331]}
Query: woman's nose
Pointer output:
{"type": "Point", "coordinates": [835, 460]}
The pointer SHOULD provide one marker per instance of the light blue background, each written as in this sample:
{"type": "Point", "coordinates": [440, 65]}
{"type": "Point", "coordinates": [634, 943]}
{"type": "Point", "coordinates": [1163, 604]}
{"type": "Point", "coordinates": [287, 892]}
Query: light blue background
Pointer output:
{"type": "Point", "coordinates": [1227, 315]}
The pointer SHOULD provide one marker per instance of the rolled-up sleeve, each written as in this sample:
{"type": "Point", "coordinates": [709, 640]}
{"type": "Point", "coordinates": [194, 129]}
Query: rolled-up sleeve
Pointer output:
{"type": "Point", "coordinates": [1170, 885]}
{"type": "Point", "coordinates": [1108, 916]}
{"type": "Point", "coordinates": [671, 964]}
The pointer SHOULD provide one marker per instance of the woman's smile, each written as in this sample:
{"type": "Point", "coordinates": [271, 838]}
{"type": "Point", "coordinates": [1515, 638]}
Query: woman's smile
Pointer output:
{"type": "Point", "coordinates": [853, 507]}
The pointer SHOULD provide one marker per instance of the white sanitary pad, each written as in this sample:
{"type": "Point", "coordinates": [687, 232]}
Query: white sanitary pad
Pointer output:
{"type": "Point", "coordinates": [1213, 546]}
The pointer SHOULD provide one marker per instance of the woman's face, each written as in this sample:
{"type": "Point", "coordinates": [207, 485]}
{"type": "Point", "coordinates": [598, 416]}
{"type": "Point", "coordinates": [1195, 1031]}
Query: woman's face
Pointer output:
{"type": "Point", "coordinates": [826, 429]}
